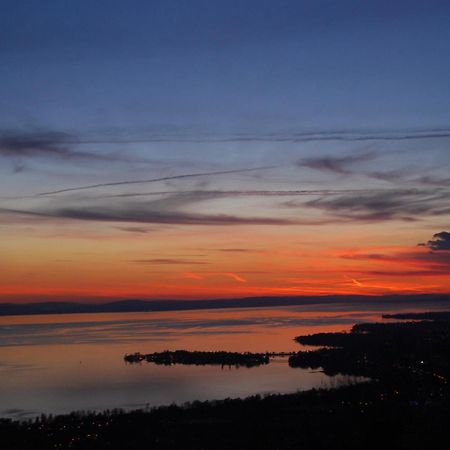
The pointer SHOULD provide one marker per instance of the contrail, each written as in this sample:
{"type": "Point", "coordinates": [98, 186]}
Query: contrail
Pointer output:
{"type": "Point", "coordinates": [254, 193]}
{"type": "Point", "coordinates": [154, 180]}
{"type": "Point", "coordinates": [336, 135]}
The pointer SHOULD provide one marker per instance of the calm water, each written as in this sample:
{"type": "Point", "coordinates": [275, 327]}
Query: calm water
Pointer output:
{"type": "Point", "coordinates": [57, 364]}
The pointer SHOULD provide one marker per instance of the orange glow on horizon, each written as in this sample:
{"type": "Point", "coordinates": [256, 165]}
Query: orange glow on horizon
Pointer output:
{"type": "Point", "coordinates": [189, 264]}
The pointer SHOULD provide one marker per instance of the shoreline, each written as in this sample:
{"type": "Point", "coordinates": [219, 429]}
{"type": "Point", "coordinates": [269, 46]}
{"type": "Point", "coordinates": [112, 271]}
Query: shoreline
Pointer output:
{"type": "Point", "coordinates": [407, 403]}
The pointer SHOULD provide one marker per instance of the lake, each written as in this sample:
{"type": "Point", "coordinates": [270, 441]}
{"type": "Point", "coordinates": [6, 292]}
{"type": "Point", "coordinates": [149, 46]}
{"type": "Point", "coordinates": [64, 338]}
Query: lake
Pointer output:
{"type": "Point", "coordinates": [60, 363]}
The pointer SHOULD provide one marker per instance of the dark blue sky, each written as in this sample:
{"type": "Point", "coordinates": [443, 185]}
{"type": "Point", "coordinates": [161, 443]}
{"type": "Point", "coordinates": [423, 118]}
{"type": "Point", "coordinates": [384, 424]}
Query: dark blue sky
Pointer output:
{"type": "Point", "coordinates": [224, 65]}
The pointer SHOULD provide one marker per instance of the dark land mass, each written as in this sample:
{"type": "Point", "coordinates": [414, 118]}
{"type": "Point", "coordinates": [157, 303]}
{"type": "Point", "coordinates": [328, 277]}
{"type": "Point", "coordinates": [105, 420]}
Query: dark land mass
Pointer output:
{"type": "Point", "coordinates": [199, 358]}
{"type": "Point", "coordinates": [181, 305]}
{"type": "Point", "coordinates": [434, 315]}
{"type": "Point", "coordinates": [406, 405]}
{"type": "Point", "coordinates": [398, 354]}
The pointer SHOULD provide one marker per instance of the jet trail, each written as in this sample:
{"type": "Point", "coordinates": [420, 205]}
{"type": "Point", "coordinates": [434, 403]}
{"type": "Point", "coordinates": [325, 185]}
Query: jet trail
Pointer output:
{"type": "Point", "coordinates": [153, 180]}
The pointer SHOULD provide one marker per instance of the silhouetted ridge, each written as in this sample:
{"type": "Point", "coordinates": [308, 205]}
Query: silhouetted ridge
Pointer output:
{"type": "Point", "coordinates": [135, 305]}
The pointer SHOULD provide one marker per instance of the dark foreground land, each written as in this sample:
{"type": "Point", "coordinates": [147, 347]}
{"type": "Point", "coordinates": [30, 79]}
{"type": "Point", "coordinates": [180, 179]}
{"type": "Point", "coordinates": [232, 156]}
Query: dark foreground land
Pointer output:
{"type": "Point", "coordinates": [405, 406]}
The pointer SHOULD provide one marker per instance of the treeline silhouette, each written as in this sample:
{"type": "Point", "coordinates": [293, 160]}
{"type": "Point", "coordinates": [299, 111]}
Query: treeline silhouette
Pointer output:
{"type": "Point", "coordinates": [222, 358]}
{"type": "Point", "coordinates": [432, 315]}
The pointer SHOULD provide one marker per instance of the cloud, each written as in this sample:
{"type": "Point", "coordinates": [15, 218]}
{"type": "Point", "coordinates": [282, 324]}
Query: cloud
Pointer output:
{"type": "Point", "coordinates": [365, 256]}
{"type": "Point", "coordinates": [390, 175]}
{"type": "Point", "coordinates": [235, 277]}
{"type": "Point", "coordinates": [435, 181]}
{"type": "Point", "coordinates": [205, 275]}
{"type": "Point", "coordinates": [139, 214]}
{"type": "Point", "coordinates": [409, 273]}
{"type": "Point", "coordinates": [336, 164]}
{"type": "Point", "coordinates": [412, 257]}
{"type": "Point", "coordinates": [408, 262]}
{"type": "Point", "coordinates": [238, 250]}
{"type": "Point", "coordinates": [175, 209]}
{"type": "Point", "coordinates": [19, 146]}
{"type": "Point", "coordinates": [193, 276]}
{"type": "Point", "coordinates": [59, 144]}
{"type": "Point", "coordinates": [23, 146]}
{"type": "Point", "coordinates": [168, 261]}
{"type": "Point", "coordinates": [140, 230]}
{"type": "Point", "coordinates": [27, 144]}
{"type": "Point", "coordinates": [440, 242]}
{"type": "Point", "coordinates": [405, 205]}
{"type": "Point", "coordinates": [245, 193]}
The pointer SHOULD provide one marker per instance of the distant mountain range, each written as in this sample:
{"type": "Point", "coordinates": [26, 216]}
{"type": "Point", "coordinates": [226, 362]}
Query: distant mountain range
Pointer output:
{"type": "Point", "coordinates": [174, 305]}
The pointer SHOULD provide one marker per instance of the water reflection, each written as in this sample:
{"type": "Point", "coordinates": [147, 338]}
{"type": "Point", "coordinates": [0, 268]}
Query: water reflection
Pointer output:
{"type": "Point", "coordinates": [57, 364]}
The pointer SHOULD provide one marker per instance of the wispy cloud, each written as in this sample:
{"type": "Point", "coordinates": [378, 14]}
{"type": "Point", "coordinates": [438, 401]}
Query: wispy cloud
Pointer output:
{"type": "Point", "coordinates": [235, 277]}
{"type": "Point", "coordinates": [337, 164]}
{"type": "Point", "coordinates": [408, 262]}
{"type": "Point", "coordinates": [22, 146]}
{"type": "Point", "coordinates": [435, 181]}
{"type": "Point", "coordinates": [140, 230]}
{"type": "Point", "coordinates": [168, 261]}
{"type": "Point", "coordinates": [139, 214]}
{"type": "Point", "coordinates": [411, 256]}
{"type": "Point", "coordinates": [238, 250]}
{"type": "Point", "coordinates": [179, 208]}
{"type": "Point", "coordinates": [210, 193]}
{"type": "Point", "coordinates": [405, 205]}
{"type": "Point", "coordinates": [205, 275]}
{"type": "Point", "coordinates": [61, 144]}
{"type": "Point", "coordinates": [39, 144]}
{"type": "Point", "coordinates": [192, 276]}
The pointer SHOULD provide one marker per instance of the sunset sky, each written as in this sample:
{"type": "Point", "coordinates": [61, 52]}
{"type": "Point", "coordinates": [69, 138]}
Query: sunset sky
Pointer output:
{"type": "Point", "coordinates": [198, 149]}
